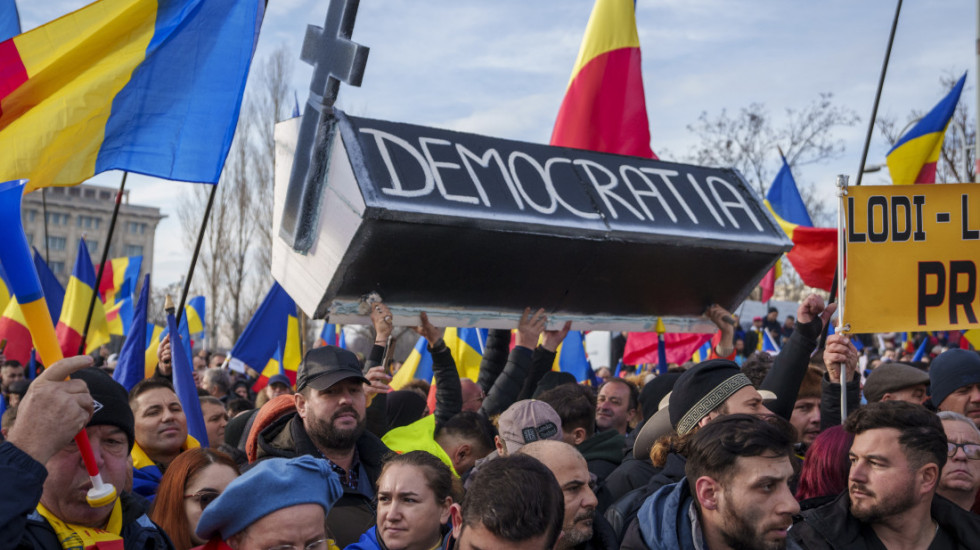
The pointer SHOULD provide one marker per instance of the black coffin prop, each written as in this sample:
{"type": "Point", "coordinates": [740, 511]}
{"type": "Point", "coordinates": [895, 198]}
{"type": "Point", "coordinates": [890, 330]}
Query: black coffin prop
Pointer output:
{"type": "Point", "coordinates": [474, 229]}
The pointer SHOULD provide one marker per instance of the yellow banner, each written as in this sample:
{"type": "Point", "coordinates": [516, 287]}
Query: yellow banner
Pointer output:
{"type": "Point", "coordinates": [912, 255]}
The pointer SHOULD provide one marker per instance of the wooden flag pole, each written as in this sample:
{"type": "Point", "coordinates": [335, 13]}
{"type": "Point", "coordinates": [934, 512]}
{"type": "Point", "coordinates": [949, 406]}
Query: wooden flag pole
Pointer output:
{"type": "Point", "coordinates": [105, 258]}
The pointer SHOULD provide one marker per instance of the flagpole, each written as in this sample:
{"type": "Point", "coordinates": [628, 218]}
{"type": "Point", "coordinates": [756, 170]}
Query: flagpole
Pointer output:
{"type": "Point", "coordinates": [197, 251]}
{"type": "Point", "coordinates": [105, 258]}
{"type": "Point", "coordinates": [839, 281]}
{"type": "Point", "coordinates": [881, 84]}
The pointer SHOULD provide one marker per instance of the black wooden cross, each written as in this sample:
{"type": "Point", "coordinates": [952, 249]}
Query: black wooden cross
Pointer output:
{"type": "Point", "coordinates": [335, 58]}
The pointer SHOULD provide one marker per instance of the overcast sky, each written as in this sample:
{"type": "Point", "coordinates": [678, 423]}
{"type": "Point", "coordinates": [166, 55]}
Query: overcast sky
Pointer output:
{"type": "Point", "coordinates": [500, 68]}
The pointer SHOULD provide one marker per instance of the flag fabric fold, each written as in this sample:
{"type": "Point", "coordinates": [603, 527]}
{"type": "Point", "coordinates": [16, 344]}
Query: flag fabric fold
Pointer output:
{"type": "Point", "coordinates": [131, 367]}
{"type": "Point", "coordinates": [184, 386]}
{"type": "Point", "coordinates": [571, 357]}
{"type": "Point", "coordinates": [604, 108]}
{"type": "Point", "coordinates": [257, 343]}
{"type": "Point", "coordinates": [78, 295]}
{"type": "Point", "coordinates": [54, 293]}
{"type": "Point", "coordinates": [913, 158]}
{"type": "Point", "coordinates": [9, 20]}
{"type": "Point", "coordinates": [119, 278]}
{"type": "Point", "coordinates": [643, 347]}
{"type": "Point", "coordinates": [147, 86]}
{"type": "Point", "coordinates": [194, 315]}
{"type": "Point", "coordinates": [465, 345]}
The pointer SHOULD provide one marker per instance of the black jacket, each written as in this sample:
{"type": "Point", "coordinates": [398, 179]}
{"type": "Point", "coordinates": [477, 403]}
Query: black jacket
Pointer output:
{"type": "Point", "coordinates": [632, 473]}
{"type": "Point", "coordinates": [22, 528]}
{"type": "Point", "coordinates": [789, 368]}
{"type": "Point", "coordinates": [832, 526]}
{"type": "Point", "coordinates": [354, 513]}
{"type": "Point", "coordinates": [830, 400]}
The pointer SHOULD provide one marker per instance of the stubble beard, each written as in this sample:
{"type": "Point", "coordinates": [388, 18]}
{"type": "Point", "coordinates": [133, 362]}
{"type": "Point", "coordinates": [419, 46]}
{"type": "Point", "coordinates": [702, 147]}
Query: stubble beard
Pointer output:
{"type": "Point", "coordinates": [884, 507]}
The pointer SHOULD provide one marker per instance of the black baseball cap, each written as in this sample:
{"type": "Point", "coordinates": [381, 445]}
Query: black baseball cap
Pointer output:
{"type": "Point", "coordinates": [325, 366]}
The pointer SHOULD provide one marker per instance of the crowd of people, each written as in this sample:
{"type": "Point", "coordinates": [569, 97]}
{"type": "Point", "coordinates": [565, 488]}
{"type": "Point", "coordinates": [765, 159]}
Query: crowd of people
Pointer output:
{"type": "Point", "coordinates": [735, 452]}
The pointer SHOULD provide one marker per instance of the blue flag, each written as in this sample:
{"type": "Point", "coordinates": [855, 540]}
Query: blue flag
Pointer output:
{"type": "Point", "coordinates": [920, 353]}
{"type": "Point", "coordinates": [54, 293]}
{"type": "Point", "coordinates": [132, 358]}
{"type": "Point", "coordinates": [9, 20]}
{"type": "Point", "coordinates": [785, 200]}
{"type": "Point", "coordinates": [295, 105]}
{"type": "Point", "coordinates": [32, 366]}
{"type": "Point", "coordinates": [183, 373]}
{"type": "Point", "coordinates": [661, 354]}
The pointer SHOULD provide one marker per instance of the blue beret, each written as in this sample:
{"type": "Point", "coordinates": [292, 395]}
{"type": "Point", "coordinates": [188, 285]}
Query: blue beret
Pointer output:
{"type": "Point", "coordinates": [270, 485]}
{"type": "Point", "coordinates": [952, 370]}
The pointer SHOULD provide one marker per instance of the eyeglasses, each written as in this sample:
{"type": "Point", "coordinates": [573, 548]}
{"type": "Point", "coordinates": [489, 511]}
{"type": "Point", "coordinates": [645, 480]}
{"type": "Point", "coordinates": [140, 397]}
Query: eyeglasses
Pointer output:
{"type": "Point", "coordinates": [204, 497]}
{"type": "Point", "coordinates": [971, 450]}
{"type": "Point", "coordinates": [315, 545]}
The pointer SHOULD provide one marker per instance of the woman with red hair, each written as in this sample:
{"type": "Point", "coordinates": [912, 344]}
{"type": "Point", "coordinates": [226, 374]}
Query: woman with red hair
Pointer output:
{"type": "Point", "coordinates": [194, 479]}
{"type": "Point", "coordinates": [826, 467]}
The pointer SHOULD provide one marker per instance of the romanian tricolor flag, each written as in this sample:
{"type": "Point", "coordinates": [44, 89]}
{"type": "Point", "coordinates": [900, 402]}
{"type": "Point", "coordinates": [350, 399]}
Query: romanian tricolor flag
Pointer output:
{"type": "Point", "coordinates": [286, 358]}
{"type": "Point", "coordinates": [604, 107]}
{"type": "Point", "coordinates": [913, 158]}
{"type": "Point", "coordinates": [147, 86]}
{"type": "Point", "coordinates": [465, 345]}
{"type": "Point", "coordinates": [119, 278]}
{"type": "Point", "coordinates": [814, 254]}
{"type": "Point", "coordinates": [78, 295]}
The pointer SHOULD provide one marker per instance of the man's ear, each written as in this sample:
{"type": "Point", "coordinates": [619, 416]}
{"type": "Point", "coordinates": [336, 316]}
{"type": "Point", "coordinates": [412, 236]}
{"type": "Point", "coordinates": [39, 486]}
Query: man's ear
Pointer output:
{"type": "Point", "coordinates": [462, 451]}
{"type": "Point", "coordinates": [928, 478]}
{"type": "Point", "coordinates": [300, 402]}
{"type": "Point", "coordinates": [499, 444]}
{"type": "Point", "coordinates": [578, 435]}
{"type": "Point", "coordinates": [707, 491]}
{"type": "Point", "coordinates": [456, 515]}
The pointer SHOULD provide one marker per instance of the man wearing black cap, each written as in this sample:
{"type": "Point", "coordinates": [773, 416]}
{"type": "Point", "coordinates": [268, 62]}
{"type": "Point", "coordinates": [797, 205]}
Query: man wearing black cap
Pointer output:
{"type": "Point", "coordinates": [42, 496]}
{"type": "Point", "coordinates": [955, 377]}
{"type": "Point", "coordinates": [329, 423]}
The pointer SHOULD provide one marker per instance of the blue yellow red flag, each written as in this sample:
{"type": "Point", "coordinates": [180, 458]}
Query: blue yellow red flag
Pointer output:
{"type": "Point", "coordinates": [147, 86]}
{"type": "Point", "coordinates": [465, 345]}
{"type": "Point", "coordinates": [913, 158]}
{"type": "Point", "coordinates": [78, 296]}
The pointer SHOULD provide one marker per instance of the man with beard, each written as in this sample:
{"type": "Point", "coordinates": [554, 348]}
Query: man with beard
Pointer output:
{"type": "Point", "coordinates": [898, 453]}
{"type": "Point", "coordinates": [955, 383]}
{"type": "Point", "coordinates": [583, 528]}
{"type": "Point", "coordinates": [329, 422]}
{"type": "Point", "coordinates": [735, 494]}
